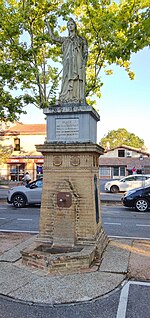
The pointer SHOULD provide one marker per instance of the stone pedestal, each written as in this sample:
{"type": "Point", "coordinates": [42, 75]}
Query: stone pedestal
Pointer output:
{"type": "Point", "coordinates": [70, 211]}
{"type": "Point", "coordinates": [71, 233]}
{"type": "Point", "coordinates": [71, 123]}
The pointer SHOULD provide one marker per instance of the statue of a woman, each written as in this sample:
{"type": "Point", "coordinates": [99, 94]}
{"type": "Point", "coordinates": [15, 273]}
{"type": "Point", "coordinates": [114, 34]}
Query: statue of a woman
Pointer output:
{"type": "Point", "coordinates": [75, 53]}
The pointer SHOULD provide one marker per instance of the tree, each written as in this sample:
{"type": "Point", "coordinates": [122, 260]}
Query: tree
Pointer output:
{"type": "Point", "coordinates": [5, 153]}
{"type": "Point", "coordinates": [121, 137]}
{"type": "Point", "coordinates": [28, 74]}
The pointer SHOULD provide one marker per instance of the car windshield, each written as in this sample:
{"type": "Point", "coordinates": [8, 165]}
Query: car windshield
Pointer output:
{"type": "Point", "coordinates": [134, 178]}
{"type": "Point", "coordinates": [38, 183]}
{"type": "Point", "coordinates": [28, 185]}
{"type": "Point", "coordinates": [130, 178]}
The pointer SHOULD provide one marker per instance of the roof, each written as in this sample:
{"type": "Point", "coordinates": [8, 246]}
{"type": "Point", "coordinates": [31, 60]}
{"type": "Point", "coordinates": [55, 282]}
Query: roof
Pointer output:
{"type": "Point", "coordinates": [26, 129]}
{"type": "Point", "coordinates": [129, 148]}
{"type": "Point", "coordinates": [124, 161]}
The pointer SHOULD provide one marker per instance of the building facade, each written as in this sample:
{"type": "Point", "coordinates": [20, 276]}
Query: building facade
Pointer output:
{"type": "Point", "coordinates": [120, 161]}
{"type": "Point", "coordinates": [22, 138]}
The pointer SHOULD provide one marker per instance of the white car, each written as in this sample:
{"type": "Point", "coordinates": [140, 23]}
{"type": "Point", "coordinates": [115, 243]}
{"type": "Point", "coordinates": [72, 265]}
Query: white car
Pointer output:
{"type": "Point", "coordinates": [127, 183]}
{"type": "Point", "coordinates": [20, 196]}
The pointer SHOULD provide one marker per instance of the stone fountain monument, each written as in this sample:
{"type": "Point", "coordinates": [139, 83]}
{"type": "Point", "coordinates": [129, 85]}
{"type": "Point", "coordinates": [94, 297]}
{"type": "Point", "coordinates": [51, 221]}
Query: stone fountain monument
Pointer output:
{"type": "Point", "coordinates": [71, 235]}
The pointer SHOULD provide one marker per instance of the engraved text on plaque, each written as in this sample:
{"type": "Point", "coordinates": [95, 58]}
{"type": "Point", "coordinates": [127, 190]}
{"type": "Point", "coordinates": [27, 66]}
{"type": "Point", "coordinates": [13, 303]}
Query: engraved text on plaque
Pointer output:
{"type": "Point", "coordinates": [67, 128]}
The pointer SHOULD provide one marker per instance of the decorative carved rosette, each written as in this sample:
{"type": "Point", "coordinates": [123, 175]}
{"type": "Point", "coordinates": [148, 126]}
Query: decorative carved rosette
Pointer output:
{"type": "Point", "coordinates": [75, 160]}
{"type": "Point", "coordinates": [57, 160]}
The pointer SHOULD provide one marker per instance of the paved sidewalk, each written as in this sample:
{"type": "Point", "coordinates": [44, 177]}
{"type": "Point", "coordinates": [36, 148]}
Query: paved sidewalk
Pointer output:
{"type": "Point", "coordinates": [121, 260]}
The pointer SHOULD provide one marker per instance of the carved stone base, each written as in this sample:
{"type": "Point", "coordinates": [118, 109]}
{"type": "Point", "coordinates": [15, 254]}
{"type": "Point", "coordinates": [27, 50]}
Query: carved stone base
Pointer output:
{"type": "Point", "coordinates": [70, 232]}
{"type": "Point", "coordinates": [70, 209]}
{"type": "Point", "coordinates": [61, 259]}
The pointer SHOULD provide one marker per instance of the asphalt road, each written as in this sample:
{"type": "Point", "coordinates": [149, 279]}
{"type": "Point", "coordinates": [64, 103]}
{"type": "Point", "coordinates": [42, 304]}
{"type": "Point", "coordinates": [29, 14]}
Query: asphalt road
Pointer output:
{"type": "Point", "coordinates": [117, 220]}
{"type": "Point", "coordinates": [131, 301]}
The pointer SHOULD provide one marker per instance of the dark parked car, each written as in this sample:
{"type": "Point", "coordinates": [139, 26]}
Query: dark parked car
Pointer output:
{"type": "Point", "coordinates": [138, 199]}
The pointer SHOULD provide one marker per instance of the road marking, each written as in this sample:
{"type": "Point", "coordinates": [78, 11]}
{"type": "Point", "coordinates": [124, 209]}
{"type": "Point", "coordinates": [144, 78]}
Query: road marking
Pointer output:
{"type": "Point", "coordinates": [18, 231]}
{"type": "Point", "coordinates": [142, 224]}
{"type": "Point", "coordinates": [2, 208]}
{"type": "Point", "coordinates": [129, 237]}
{"type": "Point", "coordinates": [140, 283]}
{"type": "Point", "coordinates": [122, 307]}
{"type": "Point", "coordinates": [121, 312]}
{"type": "Point", "coordinates": [110, 212]}
{"type": "Point", "coordinates": [2, 218]}
{"type": "Point", "coordinates": [112, 223]}
{"type": "Point", "coordinates": [24, 219]}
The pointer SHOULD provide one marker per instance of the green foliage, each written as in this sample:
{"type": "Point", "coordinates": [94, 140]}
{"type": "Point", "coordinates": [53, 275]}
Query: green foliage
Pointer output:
{"type": "Point", "coordinates": [5, 152]}
{"type": "Point", "coordinates": [30, 62]}
{"type": "Point", "coordinates": [121, 137]}
{"type": "Point", "coordinates": [10, 107]}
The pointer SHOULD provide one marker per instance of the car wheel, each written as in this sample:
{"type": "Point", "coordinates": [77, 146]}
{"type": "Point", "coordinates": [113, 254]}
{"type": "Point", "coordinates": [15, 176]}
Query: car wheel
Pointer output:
{"type": "Point", "coordinates": [114, 189]}
{"type": "Point", "coordinates": [19, 200]}
{"type": "Point", "coordinates": [141, 205]}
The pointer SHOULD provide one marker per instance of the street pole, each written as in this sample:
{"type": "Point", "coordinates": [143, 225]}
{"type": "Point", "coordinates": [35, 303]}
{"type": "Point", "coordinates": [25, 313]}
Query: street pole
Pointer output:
{"type": "Point", "coordinates": [141, 158]}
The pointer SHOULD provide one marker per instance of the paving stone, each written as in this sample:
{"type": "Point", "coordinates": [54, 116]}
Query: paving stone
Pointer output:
{"type": "Point", "coordinates": [10, 240]}
{"type": "Point", "coordinates": [69, 288]}
{"type": "Point", "coordinates": [139, 261]}
{"type": "Point", "coordinates": [12, 278]}
{"type": "Point", "coordinates": [14, 254]}
{"type": "Point", "coordinates": [115, 257]}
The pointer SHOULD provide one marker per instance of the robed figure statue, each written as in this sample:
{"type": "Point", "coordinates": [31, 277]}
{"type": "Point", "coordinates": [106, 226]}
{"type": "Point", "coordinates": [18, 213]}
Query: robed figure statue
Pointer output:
{"type": "Point", "coordinates": [75, 53]}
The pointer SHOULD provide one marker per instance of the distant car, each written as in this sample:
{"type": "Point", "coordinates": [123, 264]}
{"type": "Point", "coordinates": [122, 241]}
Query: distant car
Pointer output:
{"type": "Point", "coordinates": [138, 199]}
{"type": "Point", "coordinates": [127, 183]}
{"type": "Point", "coordinates": [20, 196]}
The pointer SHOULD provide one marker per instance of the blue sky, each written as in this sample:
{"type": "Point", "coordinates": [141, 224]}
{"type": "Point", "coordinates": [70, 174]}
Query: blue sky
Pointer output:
{"type": "Point", "coordinates": [124, 103]}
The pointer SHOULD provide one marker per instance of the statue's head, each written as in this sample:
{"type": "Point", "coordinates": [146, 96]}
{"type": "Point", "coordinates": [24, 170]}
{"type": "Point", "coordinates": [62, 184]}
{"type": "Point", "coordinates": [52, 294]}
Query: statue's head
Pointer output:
{"type": "Point", "coordinates": [71, 25]}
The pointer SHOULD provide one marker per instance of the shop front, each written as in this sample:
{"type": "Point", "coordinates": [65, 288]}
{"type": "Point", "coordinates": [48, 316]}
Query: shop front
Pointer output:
{"type": "Point", "coordinates": [39, 167]}
{"type": "Point", "coordinates": [16, 169]}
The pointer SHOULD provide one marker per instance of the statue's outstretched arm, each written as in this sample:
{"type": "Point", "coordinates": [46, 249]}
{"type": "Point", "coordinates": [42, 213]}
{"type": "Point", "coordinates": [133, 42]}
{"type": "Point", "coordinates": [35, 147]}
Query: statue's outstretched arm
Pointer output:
{"type": "Point", "coordinates": [50, 31]}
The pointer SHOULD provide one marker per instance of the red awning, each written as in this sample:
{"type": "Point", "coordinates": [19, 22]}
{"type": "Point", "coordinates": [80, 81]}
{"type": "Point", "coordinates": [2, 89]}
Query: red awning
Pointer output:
{"type": "Point", "coordinates": [15, 160]}
{"type": "Point", "coordinates": [39, 160]}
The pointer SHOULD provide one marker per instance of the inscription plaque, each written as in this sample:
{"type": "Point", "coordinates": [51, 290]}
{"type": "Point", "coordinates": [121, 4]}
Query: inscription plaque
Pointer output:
{"type": "Point", "coordinates": [67, 128]}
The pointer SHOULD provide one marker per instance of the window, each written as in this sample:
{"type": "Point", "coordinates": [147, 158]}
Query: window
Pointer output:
{"type": "Point", "coordinates": [121, 153]}
{"type": "Point", "coordinates": [116, 171]}
{"type": "Point", "coordinates": [17, 171]}
{"type": "Point", "coordinates": [39, 183]}
{"type": "Point", "coordinates": [132, 178]}
{"type": "Point", "coordinates": [141, 178]}
{"type": "Point", "coordinates": [16, 144]}
{"type": "Point", "coordinates": [104, 171]}
{"type": "Point", "coordinates": [122, 171]}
